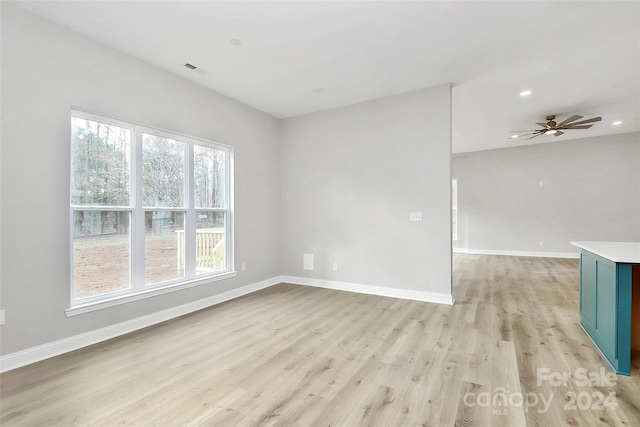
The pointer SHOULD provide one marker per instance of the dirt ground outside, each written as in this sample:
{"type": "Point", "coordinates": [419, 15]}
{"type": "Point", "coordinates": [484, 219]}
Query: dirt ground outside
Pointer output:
{"type": "Point", "coordinates": [102, 263]}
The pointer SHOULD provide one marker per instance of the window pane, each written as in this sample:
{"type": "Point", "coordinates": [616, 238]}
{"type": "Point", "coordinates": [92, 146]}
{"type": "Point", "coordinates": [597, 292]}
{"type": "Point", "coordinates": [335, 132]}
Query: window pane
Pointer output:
{"type": "Point", "coordinates": [209, 177]}
{"type": "Point", "coordinates": [101, 253]}
{"type": "Point", "coordinates": [210, 242]}
{"type": "Point", "coordinates": [163, 246]}
{"type": "Point", "coordinates": [99, 163]}
{"type": "Point", "coordinates": [163, 171]}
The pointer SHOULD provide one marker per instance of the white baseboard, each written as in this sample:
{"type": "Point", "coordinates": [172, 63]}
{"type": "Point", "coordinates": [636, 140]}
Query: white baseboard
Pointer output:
{"type": "Point", "coordinates": [517, 253]}
{"type": "Point", "coordinates": [65, 345]}
{"type": "Point", "coordinates": [372, 290]}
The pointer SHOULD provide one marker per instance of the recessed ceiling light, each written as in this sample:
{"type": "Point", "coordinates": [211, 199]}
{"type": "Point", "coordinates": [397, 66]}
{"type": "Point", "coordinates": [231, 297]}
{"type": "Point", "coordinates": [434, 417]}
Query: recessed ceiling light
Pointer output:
{"type": "Point", "coordinates": [550, 132]}
{"type": "Point", "coordinates": [318, 90]}
{"type": "Point", "coordinates": [235, 42]}
{"type": "Point", "coordinates": [616, 123]}
{"type": "Point", "coordinates": [525, 93]}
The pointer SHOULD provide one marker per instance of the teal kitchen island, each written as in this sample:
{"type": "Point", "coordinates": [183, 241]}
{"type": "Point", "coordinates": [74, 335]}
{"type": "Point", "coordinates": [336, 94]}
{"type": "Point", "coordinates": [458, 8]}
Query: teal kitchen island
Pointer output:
{"type": "Point", "coordinates": [608, 272]}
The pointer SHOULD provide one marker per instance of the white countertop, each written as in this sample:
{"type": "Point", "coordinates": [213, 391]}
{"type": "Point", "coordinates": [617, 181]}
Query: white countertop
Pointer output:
{"type": "Point", "coordinates": [627, 252]}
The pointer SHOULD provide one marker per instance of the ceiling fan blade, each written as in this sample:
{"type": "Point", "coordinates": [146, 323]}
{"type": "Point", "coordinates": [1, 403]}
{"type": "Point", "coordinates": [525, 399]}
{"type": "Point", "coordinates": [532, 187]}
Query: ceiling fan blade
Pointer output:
{"type": "Point", "coordinates": [523, 135]}
{"type": "Point", "coordinates": [584, 122]}
{"type": "Point", "coordinates": [569, 120]}
{"type": "Point", "coordinates": [537, 134]}
{"type": "Point", "coordinates": [559, 133]}
{"type": "Point", "coordinates": [544, 125]}
{"type": "Point", "coordinates": [576, 127]}
{"type": "Point", "coordinates": [528, 130]}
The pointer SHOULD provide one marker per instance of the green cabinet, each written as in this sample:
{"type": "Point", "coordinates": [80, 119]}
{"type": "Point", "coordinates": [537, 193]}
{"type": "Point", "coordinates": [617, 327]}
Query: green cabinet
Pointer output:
{"type": "Point", "coordinates": [605, 307]}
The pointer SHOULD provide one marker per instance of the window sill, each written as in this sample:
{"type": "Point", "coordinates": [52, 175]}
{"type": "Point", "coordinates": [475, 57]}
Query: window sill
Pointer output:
{"type": "Point", "coordinates": [124, 299]}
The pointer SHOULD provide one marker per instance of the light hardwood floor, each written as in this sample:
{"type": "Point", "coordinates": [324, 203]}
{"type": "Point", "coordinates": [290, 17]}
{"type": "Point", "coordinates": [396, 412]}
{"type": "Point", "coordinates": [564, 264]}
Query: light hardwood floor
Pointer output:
{"type": "Point", "coordinates": [302, 356]}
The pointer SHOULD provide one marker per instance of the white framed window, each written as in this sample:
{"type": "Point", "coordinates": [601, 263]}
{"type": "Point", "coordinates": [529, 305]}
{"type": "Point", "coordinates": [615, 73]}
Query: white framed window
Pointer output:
{"type": "Point", "coordinates": [151, 210]}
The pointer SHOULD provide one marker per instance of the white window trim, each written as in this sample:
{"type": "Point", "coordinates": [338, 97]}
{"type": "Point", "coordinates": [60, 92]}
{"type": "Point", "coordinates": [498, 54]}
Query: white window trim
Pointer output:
{"type": "Point", "coordinates": [142, 291]}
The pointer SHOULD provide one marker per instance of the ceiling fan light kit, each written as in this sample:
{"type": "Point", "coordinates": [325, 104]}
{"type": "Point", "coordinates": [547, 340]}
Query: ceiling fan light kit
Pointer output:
{"type": "Point", "coordinates": [551, 127]}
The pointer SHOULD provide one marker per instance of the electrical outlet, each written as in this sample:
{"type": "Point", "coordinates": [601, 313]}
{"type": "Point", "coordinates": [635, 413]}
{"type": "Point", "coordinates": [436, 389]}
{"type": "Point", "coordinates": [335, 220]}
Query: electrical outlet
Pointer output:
{"type": "Point", "coordinates": [335, 266]}
{"type": "Point", "coordinates": [540, 243]}
{"type": "Point", "coordinates": [415, 216]}
{"type": "Point", "coordinates": [243, 266]}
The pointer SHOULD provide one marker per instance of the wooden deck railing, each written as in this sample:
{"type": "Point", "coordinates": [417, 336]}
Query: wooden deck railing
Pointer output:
{"type": "Point", "coordinates": [209, 249]}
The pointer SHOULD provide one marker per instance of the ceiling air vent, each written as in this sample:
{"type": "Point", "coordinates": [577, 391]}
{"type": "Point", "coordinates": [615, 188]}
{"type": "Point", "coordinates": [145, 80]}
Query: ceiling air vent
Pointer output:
{"type": "Point", "coordinates": [190, 66]}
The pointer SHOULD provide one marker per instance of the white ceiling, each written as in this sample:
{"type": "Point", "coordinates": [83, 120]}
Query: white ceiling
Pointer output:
{"type": "Point", "coordinates": [577, 57]}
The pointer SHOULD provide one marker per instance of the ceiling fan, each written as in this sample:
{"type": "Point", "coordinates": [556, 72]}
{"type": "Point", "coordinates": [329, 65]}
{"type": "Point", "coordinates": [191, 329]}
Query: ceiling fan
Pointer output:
{"type": "Point", "coordinates": [553, 128]}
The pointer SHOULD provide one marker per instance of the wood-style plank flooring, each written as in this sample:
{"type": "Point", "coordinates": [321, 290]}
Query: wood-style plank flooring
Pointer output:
{"type": "Point", "coordinates": [301, 356]}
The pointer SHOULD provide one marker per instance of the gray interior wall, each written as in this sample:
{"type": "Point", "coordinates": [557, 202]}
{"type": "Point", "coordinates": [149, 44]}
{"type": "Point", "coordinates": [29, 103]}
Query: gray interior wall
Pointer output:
{"type": "Point", "coordinates": [591, 191]}
{"type": "Point", "coordinates": [45, 71]}
{"type": "Point", "coordinates": [350, 178]}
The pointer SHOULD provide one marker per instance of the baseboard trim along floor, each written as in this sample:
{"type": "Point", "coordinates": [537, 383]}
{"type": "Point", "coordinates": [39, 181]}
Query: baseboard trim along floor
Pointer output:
{"type": "Point", "coordinates": [371, 289]}
{"type": "Point", "coordinates": [65, 345]}
{"type": "Point", "coordinates": [536, 254]}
